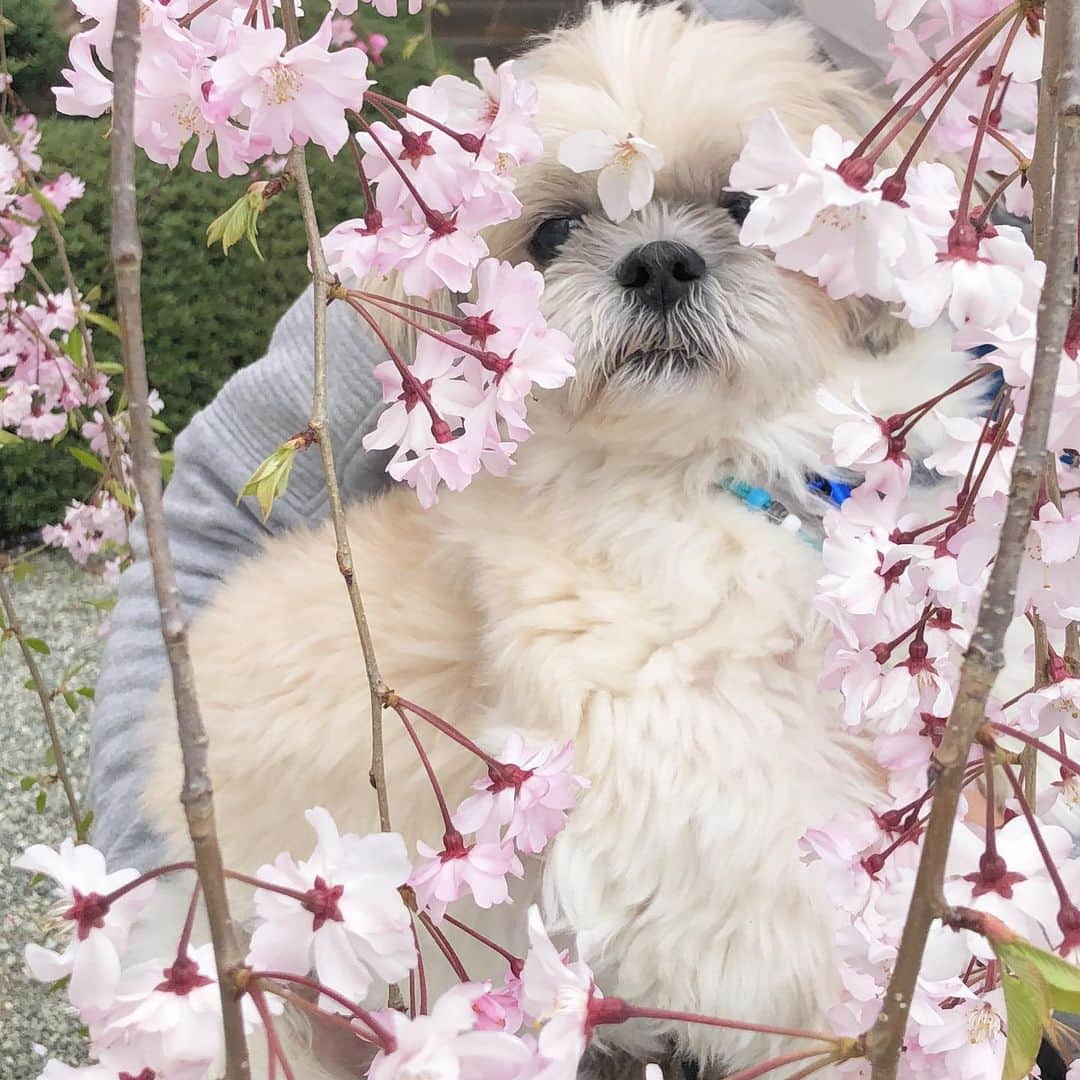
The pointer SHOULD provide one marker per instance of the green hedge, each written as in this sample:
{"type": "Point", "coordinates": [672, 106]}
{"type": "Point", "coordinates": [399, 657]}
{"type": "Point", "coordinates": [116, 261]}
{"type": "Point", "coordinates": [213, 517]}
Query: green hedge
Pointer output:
{"type": "Point", "coordinates": [205, 315]}
{"type": "Point", "coordinates": [36, 50]}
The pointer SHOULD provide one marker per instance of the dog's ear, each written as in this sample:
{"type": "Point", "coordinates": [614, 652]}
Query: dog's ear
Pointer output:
{"type": "Point", "coordinates": [394, 320]}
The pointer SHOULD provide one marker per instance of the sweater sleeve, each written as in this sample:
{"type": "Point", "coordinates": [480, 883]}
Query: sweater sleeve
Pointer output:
{"type": "Point", "coordinates": [257, 409]}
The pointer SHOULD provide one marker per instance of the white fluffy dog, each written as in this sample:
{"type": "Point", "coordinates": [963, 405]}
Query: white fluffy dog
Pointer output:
{"type": "Point", "coordinates": [608, 591]}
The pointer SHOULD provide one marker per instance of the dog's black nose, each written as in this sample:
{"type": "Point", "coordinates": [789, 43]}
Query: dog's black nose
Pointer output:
{"type": "Point", "coordinates": [661, 273]}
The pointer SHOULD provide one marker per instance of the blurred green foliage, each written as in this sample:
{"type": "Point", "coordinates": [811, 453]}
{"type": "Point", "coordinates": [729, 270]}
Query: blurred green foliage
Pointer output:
{"type": "Point", "coordinates": [36, 49]}
{"type": "Point", "coordinates": [205, 315]}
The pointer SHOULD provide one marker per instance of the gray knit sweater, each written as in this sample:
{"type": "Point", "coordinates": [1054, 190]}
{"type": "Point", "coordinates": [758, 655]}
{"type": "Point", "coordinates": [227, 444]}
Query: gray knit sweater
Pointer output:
{"type": "Point", "coordinates": [257, 409]}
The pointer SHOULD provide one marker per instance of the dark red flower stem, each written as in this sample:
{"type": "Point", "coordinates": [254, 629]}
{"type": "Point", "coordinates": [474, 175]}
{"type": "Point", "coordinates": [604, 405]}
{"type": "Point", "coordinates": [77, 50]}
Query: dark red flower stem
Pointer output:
{"type": "Point", "coordinates": [515, 962]}
{"type": "Point", "coordinates": [999, 440]}
{"type": "Point", "coordinates": [884, 649]}
{"type": "Point", "coordinates": [1044, 748]}
{"type": "Point", "coordinates": [993, 416]}
{"type": "Point", "coordinates": [1036, 832]}
{"type": "Point", "coordinates": [772, 1064]}
{"type": "Point", "coordinates": [460, 321]}
{"type": "Point", "coordinates": [642, 1012]}
{"type": "Point", "coordinates": [900, 424]}
{"type": "Point", "coordinates": [420, 976]}
{"type": "Point", "coordinates": [469, 143]}
{"type": "Point", "coordinates": [274, 1050]}
{"type": "Point", "coordinates": [1019, 697]}
{"type": "Point", "coordinates": [191, 16]}
{"type": "Point", "coordinates": [358, 161]}
{"type": "Point", "coordinates": [445, 947]}
{"type": "Point", "coordinates": [142, 879]}
{"type": "Point", "coordinates": [379, 1033]}
{"type": "Point", "coordinates": [189, 923]}
{"type": "Point", "coordinates": [408, 379]}
{"type": "Point", "coordinates": [436, 787]}
{"type": "Point", "coordinates": [435, 219]}
{"type": "Point", "coordinates": [448, 730]}
{"type": "Point", "coordinates": [936, 73]}
{"type": "Point", "coordinates": [995, 197]}
{"type": "Point", "coordinates": [489, 361]}
{"type": "Point", "coordinates": [935, 113]}
{"type": "Point", "coordinates": [991, 809]}
{"type": "Point", "coordinates": [964, 210]}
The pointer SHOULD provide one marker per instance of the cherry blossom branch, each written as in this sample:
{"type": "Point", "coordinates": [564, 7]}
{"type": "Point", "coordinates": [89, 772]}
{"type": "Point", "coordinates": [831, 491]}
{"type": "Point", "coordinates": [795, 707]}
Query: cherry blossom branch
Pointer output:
{"type": "Point", "coordinates": [15, 630]}
{"type": "Point", "coordinates": [319, 424]}
{"type": "Point", "coordinates": [1041, 173]}
{"type": "Point", "coordinates": [113, 440]}
{"type": "Point", "coordinates": [197, 793]}
{"type": "Point", "coordinates": [984, 658]}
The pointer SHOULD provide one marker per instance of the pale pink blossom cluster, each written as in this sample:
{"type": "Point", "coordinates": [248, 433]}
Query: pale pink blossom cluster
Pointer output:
{"type": "Point", "coordinates": [518, 807]}
{"type": "Point", "coordinates": [220, 74]}
{"type": "Point", "coordinates": [47, 389]}
{"type": "Point", "coordinates": [338, 923]}
{"type": "Point", "coordinates": [928, 32]}
{"type": "Point", "coordinates": [905, 564]}
{"type": "Point", "coordinates": [461, 404]}
{"type": "Point", "coordinates": [434, 177]}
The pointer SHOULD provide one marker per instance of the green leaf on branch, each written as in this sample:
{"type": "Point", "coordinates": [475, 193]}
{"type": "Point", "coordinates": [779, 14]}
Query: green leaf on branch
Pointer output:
{"type": "Point", "coordinates": [1062, 978]}
{"type": "Point", "coordinates": [37, 645]}
{"type": "Point", "coordinates": [411, 46]}
{"type": "Point", "coordinates": [271, 479]}
{"type": "Point", "coordinates": [27, 782]}
{"type": "Point", "coordinates": [9, 438]}
{"type": "Point", "coordinates": [113, 327]}
{"type": "Point", "coordinates": [110, 367]}
{"type": "Point", "coordinates": [241, 220]}
{"type": "Point", "coordinates": [40, 802]}
{"type": "Point", "coordinates": [74, 347]}
{"type": "Point", "coordinates": [84, 457]}
{"type": "Point", "coordinates": [71, 700]}
{"type": "Point", "coordinates": [1027, 1008]}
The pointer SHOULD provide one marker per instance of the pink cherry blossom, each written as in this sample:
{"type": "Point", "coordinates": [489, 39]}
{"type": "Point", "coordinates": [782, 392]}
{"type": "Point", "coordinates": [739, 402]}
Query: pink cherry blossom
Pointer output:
{"type": "Point", "coordinates": [167, 1016]}
{"type": "Point", "coordinates": [445, 1045]}
{"type": "Point", "coordinates": [556, 995]}
{"type": "Point", "coordinates": [99, 926]}
{"type": "Point", "coordinates": [352, 924]}
{"type": "Point", "coordinates": [501, 1009]}
{"type": "Point", "coordinates": [296, 95]}
{"type": "Point", "coordinates": [625, 167]}
{"type": "Point", "coordinates": [478, 869]}
{"type": "Point", "coordinates": [837, 228]}
{"type": "Point", "coordinates": [528, 794]}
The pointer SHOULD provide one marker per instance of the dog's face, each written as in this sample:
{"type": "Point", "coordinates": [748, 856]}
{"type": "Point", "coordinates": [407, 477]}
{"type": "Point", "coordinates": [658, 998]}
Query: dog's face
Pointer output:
{"type": "Point", "coordinates": [668, 313]}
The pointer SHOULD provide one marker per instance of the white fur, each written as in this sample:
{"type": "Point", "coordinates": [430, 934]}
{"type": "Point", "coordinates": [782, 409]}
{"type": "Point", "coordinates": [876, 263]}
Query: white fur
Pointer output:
{"type": "Point", "coordinates": [605, 592]}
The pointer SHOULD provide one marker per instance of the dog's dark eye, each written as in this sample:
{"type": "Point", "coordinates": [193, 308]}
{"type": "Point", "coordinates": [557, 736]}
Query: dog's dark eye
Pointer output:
{"type": "Point", "coordinates": [737, 204]}
{"type": "Point", "coordinates": [550, 235]}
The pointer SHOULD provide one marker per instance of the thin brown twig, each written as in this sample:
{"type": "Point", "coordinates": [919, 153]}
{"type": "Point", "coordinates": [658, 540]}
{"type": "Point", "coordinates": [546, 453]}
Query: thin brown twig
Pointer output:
{"type": "Point", "coordinates": [197, 793]}
{"type": "Point", "coordinates": [984, 658]}
{"type": "Point", "coordinates": [319, 423]}
{"type": "Point", "coordinates": [1042, 160]}
{"type": "Point", "coordinates": [15, 629]}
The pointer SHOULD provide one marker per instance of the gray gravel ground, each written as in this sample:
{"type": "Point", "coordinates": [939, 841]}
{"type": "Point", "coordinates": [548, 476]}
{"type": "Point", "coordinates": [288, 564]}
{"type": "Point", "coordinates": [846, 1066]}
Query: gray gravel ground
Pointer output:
{"type": "Point", "coordinates": [53, 605]}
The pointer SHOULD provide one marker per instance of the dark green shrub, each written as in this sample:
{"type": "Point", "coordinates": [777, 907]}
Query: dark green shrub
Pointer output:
{"type": "Point", "coordinates": [35, 49]}
{"type": "Point", "coordinates": [205, 315]}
